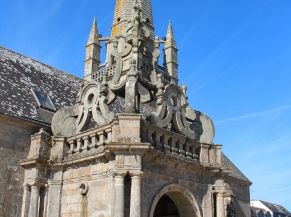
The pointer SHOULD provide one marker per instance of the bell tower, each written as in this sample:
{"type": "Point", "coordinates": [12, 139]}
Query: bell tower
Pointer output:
{"type": "Point", "coordinates": [123, 14]}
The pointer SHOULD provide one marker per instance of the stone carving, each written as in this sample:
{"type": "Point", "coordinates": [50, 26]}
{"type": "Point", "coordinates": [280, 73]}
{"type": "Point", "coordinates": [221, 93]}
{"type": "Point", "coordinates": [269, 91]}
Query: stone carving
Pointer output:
{"type": "Point", "coordinates": [170, 111]}
{"type": "Point", "coordinates": [64, 121]}
{"type": "Point", "coordinates": [202, 125]}
{"type": "Point", "coordinates": [84, 188]}
{"type": "Point", "coordinates": [132, 72]}
{"type": "Point", "coordinates": [94, 100]}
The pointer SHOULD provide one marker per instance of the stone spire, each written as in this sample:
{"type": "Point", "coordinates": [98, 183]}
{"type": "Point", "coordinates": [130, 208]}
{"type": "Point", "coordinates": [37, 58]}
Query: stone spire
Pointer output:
{"type": "Point", "coordinates": [170, 38]}
{"type": "Point", "coordinates": [92, 61]}
{"type": "Point", "coordinates": [171, 54]}
{"type": "Point", "coordinates": [123, 13]}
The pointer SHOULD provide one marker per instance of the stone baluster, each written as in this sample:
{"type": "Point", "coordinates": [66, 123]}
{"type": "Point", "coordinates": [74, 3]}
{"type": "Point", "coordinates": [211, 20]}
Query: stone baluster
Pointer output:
{"type": "Point", "coordinates": [173, 145]}
{"type": "Point", "coordinates": [158, 140]}
{"type": "Point", "coordinates": [93, 140]}
{"type": "Point", "coordinates": [86, 143]}
{"type": "Point", "coordinates": [109, 135]}
{"type": "Point", "coordinates": [119, 195]}
{"type": "Point", "coordinates": [150, 137]}
{"type": "Point", "coordinates": [79, 143]}
{"type": "Point", "coordinates": [71, 146]}
{"type": "Point", "coordinates": [135, 197]}
{"type": "Point", "coordinates": [101, 138]}
{"type": "Point", "coordinates": [34, 199]}
{"type": "Point", "coordinates": [181, 149]}
{"type": "Point", "coordinates": [166, 143]}
{"type": "Point", "coordinates": [187, 150]}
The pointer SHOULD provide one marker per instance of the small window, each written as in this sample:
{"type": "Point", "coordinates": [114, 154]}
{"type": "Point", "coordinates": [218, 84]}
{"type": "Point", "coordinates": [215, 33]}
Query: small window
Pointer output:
{"type": "Point", "coordinates": [43, 100]}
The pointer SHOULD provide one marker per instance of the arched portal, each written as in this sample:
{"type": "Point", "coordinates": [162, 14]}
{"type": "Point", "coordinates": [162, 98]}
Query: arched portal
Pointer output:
{"type": "Point", "coordinates": [166, 207]}
{"type": "Point", "coordinates": [175, 201]}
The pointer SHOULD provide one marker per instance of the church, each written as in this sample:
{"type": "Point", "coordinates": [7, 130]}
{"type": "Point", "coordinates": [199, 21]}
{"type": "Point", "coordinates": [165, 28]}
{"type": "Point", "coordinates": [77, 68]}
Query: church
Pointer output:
{"type": "Point", "coordinates": [122, 142]}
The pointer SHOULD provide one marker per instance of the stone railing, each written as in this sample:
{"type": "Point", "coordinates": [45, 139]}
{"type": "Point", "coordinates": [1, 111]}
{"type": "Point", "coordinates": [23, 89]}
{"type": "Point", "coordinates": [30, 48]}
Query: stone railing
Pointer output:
{"type": "Point", "coordinates": [107, 71]}
{"type": "Point", "coordinates": [89, 140]}
{"type": "Point", "coordinates": [128, 132]}
{"type": "Point", "coordinates": [170, 143]}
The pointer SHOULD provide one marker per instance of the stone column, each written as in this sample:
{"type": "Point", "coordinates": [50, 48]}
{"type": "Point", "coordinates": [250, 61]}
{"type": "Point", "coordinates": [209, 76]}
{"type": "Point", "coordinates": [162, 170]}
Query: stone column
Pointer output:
{"type": "Point", "coordinates": [135, 196]}
{"type": "Point", "coordinates": [119, 195]}
{"type": "Point", "coordinates": [54, 198]}
{"type": "Point", "coordinates": [34, 198]}
{"type": "Point", "coordinates": [220, 204]}
{"type": "Point", "coordinates": [25, 200]}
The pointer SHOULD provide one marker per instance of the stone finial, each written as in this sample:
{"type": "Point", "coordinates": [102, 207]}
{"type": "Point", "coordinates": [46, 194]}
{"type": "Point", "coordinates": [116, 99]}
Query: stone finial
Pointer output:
{"type": "Point", "coordinates": [171, 55]}
{"type": "Point", "coordinates": [170, 38]}
{"type": "Point", "coordinates": [92, 61]}
{"type": "Point", "coordinates": [94, 34]}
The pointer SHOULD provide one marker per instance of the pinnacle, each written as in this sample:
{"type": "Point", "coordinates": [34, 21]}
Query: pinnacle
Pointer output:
{"type": "Point", "coordinates": [170, 32]}
{"type": "Point", "coordinates": [94, 34]}
{"type": "Point", "coordinates": [170, 38]}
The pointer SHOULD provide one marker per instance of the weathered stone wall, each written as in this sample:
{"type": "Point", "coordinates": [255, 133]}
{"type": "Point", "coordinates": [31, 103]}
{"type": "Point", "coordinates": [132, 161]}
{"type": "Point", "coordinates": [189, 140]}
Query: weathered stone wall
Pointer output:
{"type": "Point", "coordinates": [14, 146]}
{"type": "Point", "coordinates": [99, 179]}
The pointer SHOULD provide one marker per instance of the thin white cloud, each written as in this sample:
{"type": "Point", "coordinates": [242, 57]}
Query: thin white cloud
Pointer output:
{"type": "Point", "coordinates": [255, 114]}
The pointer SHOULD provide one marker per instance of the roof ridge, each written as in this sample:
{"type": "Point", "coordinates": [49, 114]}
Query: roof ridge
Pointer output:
{"type": "Point", "coordinates": [38, 61]}
{"type": "Point", "coordinates": [227, 158]}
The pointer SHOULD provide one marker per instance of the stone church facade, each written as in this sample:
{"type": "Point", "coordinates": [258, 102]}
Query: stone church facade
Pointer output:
{"type": "Point", "coordinates": [131, 145]}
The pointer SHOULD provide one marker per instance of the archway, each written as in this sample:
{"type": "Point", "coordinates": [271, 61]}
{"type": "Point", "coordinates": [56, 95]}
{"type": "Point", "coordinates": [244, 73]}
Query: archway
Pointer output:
{"type": "Point", "coordinates": [175, 201]}
{"type": "Point", "coordinates": [166, 207]}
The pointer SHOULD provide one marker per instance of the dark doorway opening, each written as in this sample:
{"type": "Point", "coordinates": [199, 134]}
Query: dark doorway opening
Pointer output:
{"type": "Point", "coordinates": [166, 208]}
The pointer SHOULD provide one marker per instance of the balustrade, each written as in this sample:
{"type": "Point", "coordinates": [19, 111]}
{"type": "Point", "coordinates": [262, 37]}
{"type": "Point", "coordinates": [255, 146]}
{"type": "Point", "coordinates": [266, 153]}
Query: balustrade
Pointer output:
{"type": "Point", "coordinates": [171, 143]}
{"type": "Point", "coordinates": [89, 140]}
{"type": "Point", "coordinates": [107, 72]}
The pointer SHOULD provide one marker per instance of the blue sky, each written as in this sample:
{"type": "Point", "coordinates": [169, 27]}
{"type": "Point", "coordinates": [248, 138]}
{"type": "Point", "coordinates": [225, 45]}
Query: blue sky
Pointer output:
{"type": "Point", "coordinates": [234, 55]}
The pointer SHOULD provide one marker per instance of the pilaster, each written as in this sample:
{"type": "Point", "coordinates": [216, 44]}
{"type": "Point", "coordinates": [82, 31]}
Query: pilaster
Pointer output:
{"type": "Point", "coordinates": [34, 201]}
{"type": "Point", "coordinates": [135, 198]}
{"type": "Point", "coordinates": [119, 195]}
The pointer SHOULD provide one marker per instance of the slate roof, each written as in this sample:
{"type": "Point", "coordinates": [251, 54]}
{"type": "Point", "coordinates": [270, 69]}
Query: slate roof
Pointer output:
{"type": "Point", "coordinates": [276, 209]}
{"type": "Point", "coordinates": [227, 164]}
{"type": "Point", "coordinates": [258, 212]}
{"type": "Point", "coordinates": [19, 74]}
